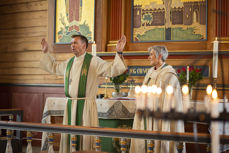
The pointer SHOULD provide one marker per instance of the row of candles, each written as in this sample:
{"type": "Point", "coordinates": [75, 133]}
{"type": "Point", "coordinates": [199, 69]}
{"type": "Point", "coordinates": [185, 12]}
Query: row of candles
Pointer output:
{"type": "Point", "coordinates": [147, 97]}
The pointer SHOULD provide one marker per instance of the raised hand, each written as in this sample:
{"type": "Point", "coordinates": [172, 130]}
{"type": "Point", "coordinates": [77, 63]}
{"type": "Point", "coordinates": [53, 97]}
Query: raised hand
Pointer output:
{"type": "Point", "coordinates": [121, 44]}
{"type": "Point", "coordinates": [44, 45]}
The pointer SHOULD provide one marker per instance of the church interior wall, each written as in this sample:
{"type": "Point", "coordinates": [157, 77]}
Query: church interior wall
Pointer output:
{"type": "Point", "coordinates": [24, 23]}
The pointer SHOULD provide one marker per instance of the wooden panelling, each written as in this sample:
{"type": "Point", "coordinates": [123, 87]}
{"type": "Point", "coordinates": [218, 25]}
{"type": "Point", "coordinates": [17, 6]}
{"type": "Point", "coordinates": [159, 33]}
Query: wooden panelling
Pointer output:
{"type": "Point", "coordinates": [7, 2]}
{"type": "Point", "coordinates": [30, 99]}
{"type": "Point", "coordinates": [23, 32]}
{"type": "Point", "coordinates": [4, 100]}
{"type": "Point", "coordinates": [24, 7]}
{"type": "Point", "coordinates": [20, 44]}
{"type": "Point", "coordinates": [31, 103]}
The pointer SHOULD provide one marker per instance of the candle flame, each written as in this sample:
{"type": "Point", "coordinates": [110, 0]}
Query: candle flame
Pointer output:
{"type": "Point", "coordinates": [154, 88]}
{"type": "Point", "coordinates": [185, 89]}
{"type": "Point", "coordinates": [214, 94]}
{"type": "Point", "coordinates": [137, 89]}
{"type": "Point", "coordinates": [209, 89]}
{"type": "Point", "coordinates": [144, 89]}
{"type": "Point", "coordinates": [169, 89]}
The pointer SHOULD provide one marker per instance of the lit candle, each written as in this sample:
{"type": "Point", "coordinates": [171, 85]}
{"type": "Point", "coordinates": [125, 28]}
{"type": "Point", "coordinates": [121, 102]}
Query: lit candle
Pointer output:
{"type": "Point", "coordinates": [159, 91]}
{"type": "Point", "coordinates": [151, 97]}
{"type": "Point", "coordinates": [187, 74]}
{"type": "Point", "coordinates": [186, 99]}
{"type": "Point", "coordinates": [169, 91]}
{"type": "Point", "coordinates": [215, 58]}
{"type": "Point", "coordinates": [93, 48]}
{"type": "Point", "coordinates": [214, 104]}
{"type": "Point", "coordinates": [144, 97]}
{"type": "Point", "coordinates": [138, 97]}
{"type": "Point", "coordinates": [214, 124]}
{"type": "Point", "coordinates": [207, 99]}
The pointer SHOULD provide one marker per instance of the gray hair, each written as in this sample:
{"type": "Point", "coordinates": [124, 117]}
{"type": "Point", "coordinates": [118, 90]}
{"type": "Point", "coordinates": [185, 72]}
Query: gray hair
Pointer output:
{"type": "Point", "coordinates": [159, 50]}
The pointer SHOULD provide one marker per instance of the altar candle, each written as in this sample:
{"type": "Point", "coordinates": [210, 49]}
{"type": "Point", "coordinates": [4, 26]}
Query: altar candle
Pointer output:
{"type": "Point", "coordinates": [159, 91]}
{"type": "Point", "coordinates": [186, 99]}
{"type": "Point", "coordinates": [93, 48]}
{"type": "Point", "coordinates": [138, 97]}
{"type": "Point", "coordinates": [151, 97]}
{"type": "Point", "coordinates": [207, 99]}
{"type": "Point", "coordinates": [144, 97]}
{"type": "Point", "coordinates": [215, 58]}
{"type": "Point", "coordinates": [214, 124]}
{"type": "Point", "coordinates": [214, 104]}
{"type": "Point", "coordinates": [169, 91]}
{"type": "Point", "coordinates": [187, 74]}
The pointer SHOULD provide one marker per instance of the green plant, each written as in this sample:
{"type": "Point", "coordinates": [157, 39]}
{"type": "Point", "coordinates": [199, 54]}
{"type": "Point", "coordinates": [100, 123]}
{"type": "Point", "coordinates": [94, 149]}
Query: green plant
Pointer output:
{"type": "Point", "coordinates": [119, 80]}
{"type": "Point", "coordinates": [195, 74]}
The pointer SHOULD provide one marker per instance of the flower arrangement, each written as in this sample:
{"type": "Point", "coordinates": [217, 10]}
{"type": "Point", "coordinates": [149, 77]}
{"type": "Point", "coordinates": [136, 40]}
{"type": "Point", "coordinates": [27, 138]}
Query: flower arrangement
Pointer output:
{"type": "Point", "coordinates": [119, 80]}
{"type": "Point", "coordinates": [195, 74]}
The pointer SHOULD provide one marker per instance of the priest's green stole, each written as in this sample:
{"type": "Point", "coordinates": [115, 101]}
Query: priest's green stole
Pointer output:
{"type": "Point", "coordinates": [81, 92]}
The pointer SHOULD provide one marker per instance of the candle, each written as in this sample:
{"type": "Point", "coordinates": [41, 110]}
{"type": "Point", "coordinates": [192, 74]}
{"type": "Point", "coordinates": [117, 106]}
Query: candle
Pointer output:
{"type": "Point", "coordinates": [93, 49]}
{"type": "Point", "coordinates": [187, 74]}
{"type": "Point", "coordinates": [169, 92]}
{"type": "Point", "coordinates": [207, 99]}
{"type": "Point", "coordinates": [214, 104]}
{"type": "Point", "coordinates": [215, 58]}
{"type": "Point", "coordinates": [186, 99]}
{"type": "Point", "coordinates": [159, 91]}
{"type": "Point", "coordinates": [138, 97]}
{"type": "Point", "coordinates": [151, 97]}
{"type": "Point", "coordinates": [214, 124]}
{"type": "Point", "coordinates": [144, 97]}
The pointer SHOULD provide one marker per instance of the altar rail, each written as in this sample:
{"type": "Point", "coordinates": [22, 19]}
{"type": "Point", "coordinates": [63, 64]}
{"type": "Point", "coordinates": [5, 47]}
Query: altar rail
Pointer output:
{"type": "Point", "coordinates": [111, 132]}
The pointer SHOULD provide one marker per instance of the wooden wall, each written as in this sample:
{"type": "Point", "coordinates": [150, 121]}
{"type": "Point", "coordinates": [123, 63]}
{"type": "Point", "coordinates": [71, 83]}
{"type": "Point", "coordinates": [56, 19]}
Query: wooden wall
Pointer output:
{"type": "Point", "coordinates": [23, 23]}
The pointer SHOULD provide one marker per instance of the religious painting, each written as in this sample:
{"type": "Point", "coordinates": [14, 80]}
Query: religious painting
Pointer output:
{"type": "Point", "coordinates": [169, 20]}
{"type": "Point", "coordinates": [73, 17]}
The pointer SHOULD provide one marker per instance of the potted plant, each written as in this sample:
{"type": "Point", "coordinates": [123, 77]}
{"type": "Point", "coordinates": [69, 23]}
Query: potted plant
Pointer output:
{"type": "Point", "coordinates": [195, 75]}
{"type": "Point", "coordinates": [118, 80]}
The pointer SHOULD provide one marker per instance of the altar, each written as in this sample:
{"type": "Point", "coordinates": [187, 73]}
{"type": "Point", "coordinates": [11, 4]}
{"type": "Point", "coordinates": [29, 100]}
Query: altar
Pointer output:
{"type": "Point", "coordinates": [113, 113]}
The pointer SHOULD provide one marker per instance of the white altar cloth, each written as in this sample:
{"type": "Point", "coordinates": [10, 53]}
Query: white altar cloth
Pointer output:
{"type": "Point", "coordinates": [114, 108]}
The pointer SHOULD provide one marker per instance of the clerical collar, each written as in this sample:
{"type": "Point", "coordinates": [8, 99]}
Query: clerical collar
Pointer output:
{"type": "Point", "coordinates": [162, 66]}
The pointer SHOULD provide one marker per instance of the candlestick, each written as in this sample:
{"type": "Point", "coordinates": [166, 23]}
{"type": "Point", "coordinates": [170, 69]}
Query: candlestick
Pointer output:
{"type": "Point", "coordinates": [169, 92]}
{"type": "Point", "coordinates": [215, 58]}
{"type": "Point", "coordinates": [138, 97]}
{"type": "Point", "coordinates": [159, 91]}
{"type": "Point", "coordinates": [186, 99]}
{"type": "Point", "coordinates": [151, 97]}
{"type": "Point", "coordinates": [214, 124]}
{"type": "Point", "coordinates": [93, 48]}
{"type": "Point", "coordinates": [187, 74]}
{"type": "Point", "coordinates": [144, 97]}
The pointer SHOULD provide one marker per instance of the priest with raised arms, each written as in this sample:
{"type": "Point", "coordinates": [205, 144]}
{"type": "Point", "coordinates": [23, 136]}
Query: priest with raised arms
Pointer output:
{"type": "Point", "coordinates": [81, 79]}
